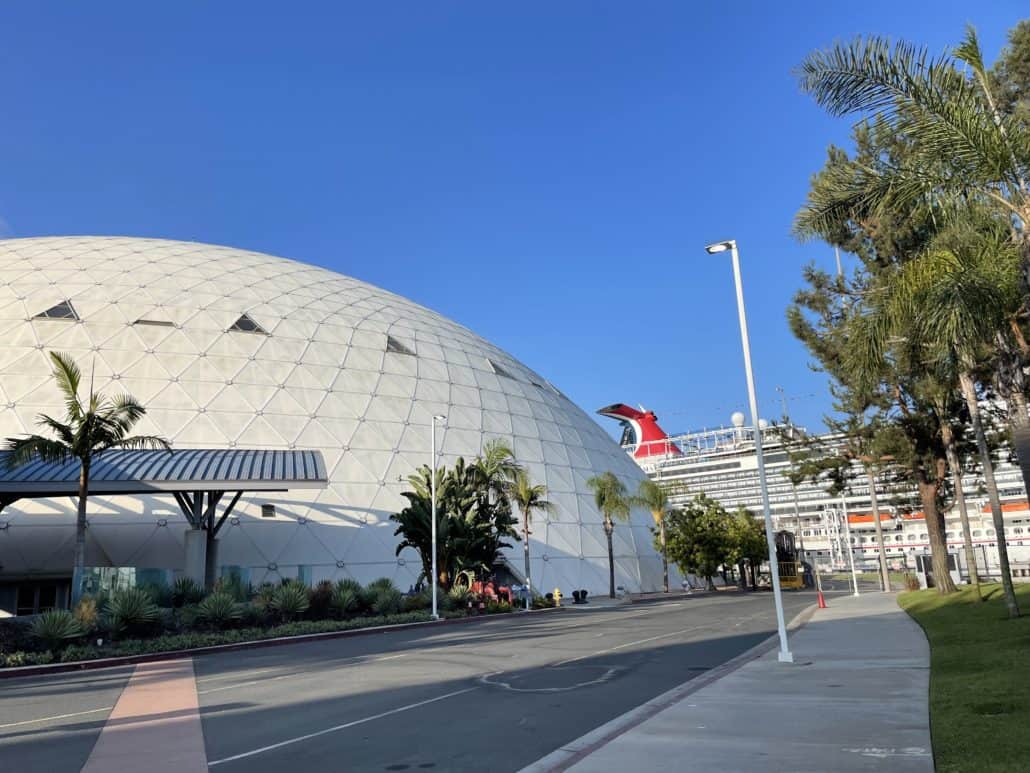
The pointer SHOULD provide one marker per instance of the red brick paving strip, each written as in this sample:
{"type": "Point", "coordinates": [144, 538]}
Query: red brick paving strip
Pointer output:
{"type": "Point", "coordinates": [155, 725]}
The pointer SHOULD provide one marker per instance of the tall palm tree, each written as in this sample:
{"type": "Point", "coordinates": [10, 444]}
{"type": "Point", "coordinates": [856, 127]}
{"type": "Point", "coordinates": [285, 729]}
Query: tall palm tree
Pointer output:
{"type": "Point", "coordinates": [611, 499]}
{"type": "Point", "coordinates": [960, 143]}
{"type": "Point", "coordinates": [90, 428]}
{"type": "Point", "coordinates": [946, 307]}
{"type": "Point", "coordinates": [652, 496]}
{"type": "Point", "coordinates": [528, 498]}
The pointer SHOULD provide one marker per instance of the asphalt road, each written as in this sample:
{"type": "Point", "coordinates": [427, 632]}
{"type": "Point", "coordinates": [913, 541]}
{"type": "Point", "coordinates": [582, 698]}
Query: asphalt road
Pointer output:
{"type": "Point", "coordinates": [496, 694]}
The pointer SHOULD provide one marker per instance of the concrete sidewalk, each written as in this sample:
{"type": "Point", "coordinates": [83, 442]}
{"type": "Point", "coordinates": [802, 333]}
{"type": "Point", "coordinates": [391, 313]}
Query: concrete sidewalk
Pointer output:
{"type": "Point", "coordinates": [855, 699]}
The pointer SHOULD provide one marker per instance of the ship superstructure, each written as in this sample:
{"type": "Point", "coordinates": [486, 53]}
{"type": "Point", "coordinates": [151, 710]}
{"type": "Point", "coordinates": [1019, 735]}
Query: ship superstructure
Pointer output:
{"type": "Point", "coordinates": [722, 464]}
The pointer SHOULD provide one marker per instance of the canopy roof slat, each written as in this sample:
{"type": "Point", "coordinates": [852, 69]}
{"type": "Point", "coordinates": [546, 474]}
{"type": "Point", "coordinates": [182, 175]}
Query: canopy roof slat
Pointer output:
{"type": "Point", "coordinates": [155, 471]}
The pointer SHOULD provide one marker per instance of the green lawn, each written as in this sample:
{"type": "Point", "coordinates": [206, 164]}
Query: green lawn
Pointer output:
{"type": "Point", "coordinates": [979, 678]}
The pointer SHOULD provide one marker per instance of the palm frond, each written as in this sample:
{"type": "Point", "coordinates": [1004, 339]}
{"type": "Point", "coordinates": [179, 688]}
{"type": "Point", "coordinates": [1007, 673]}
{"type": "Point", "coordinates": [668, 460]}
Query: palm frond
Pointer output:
{"type": "Point", "coordinates": [21, 451]}
{"type": "Point", "coordinates": [68, 377]}
{"type": "Point", "coordinates": [141, 442]}
{"type": "Point", "coordinates": [64, 432]}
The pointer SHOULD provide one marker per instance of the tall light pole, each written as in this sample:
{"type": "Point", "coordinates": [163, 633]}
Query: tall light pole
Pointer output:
{"type": "Point", "coordinates": [847, 536]}
{"type": "Point", "coordinates": [785, 655]}
{"type": "Point", "coordinates": [432, 489]}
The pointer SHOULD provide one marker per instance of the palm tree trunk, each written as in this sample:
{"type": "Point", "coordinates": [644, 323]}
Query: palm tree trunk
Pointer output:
{"type": "Point", "coordinates": [665, 558]}
{"type": "Point", "coordinates": [885, 578]}
{"type": "Point", "coordinates": [969, 393]}
{"type": "Point", "coordinates": [525, 547]}
{"type": "Point", "coordinates": [948, 436]}
{"type": "Point", "coordinates": [608, 526]}
{"type": "Point", "coordinates": [935, 528]}
{"type": "Point", "coordinates": [79, 567]}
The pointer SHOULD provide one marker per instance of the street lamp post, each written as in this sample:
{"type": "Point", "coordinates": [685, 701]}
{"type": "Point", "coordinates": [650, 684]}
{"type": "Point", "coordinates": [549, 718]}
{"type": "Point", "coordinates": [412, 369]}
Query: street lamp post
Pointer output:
{"type": "Point", "coordinates": [847, 536]}
{"type": "Point", "coordinates": [432, 495]}
{"type": "Point", "coordinates": [785, 655]}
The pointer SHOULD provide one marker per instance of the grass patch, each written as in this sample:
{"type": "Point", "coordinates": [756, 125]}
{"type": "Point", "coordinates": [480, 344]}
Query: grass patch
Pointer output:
{"type": "Point", "coordinates": [979, 678]}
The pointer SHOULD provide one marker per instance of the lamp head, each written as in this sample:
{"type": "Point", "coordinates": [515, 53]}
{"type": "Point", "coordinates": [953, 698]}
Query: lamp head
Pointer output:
{"type": "Point", "coordinates": [439, 417]}
{"type": "Point", "coordinates": [711, 249]}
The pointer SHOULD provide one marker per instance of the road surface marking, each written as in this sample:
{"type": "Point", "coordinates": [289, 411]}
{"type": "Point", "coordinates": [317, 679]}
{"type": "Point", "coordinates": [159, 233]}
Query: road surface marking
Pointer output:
{"type": "Point", "coordinates": [344, 726]}
{"type": "Point", "coordinates": [607, 675]}
{"type": "Point", "coordinates": [58, 716]}
{"type": "Point", "coordinates": [630, 644]}
{"type": "Point", "coordinates": [154, 725]}
{"type": "Point", "coordinates": [297, 674]}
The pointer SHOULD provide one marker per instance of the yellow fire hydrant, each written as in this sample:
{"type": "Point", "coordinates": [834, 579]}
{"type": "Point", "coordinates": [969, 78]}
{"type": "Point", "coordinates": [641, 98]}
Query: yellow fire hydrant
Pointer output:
{"type": "Point", "coordinates": [557, 597]}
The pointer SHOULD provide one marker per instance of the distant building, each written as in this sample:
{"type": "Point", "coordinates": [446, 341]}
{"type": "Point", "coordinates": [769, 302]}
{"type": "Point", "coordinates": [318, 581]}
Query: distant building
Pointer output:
{"type": "Point", "coordinates": [722, 464]}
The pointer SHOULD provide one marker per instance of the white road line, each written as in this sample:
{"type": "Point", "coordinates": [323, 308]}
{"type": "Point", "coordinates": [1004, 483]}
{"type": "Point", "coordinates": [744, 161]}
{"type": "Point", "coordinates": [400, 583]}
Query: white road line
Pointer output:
{"type": "Point", "coordinates": [292, 674]}
{"type": "Point", "coordinates": [344, 726]}
{"type": "Point", "coordinates": [630, 644]}
{"type": "Point", "coordinates": [57, 716]}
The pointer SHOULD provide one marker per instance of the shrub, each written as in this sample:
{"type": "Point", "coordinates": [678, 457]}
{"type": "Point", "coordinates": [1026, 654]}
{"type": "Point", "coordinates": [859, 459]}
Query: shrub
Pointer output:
{"type": "Point", "coordinates": [233, 585]}
{"type": "Point", "coordinates": [15, 635]}
{"type": "Point", "coordinates": [55, 628]}
{"type": "Point", "coordinates": [76, 652]}
{"type": "Point", "coordinates": [86, 614]}
{"type": "Point", "coordinates": [417, 601]}
{"type": "Point", "coordinates": [387, 601]}
{"type": "Point", "coordinates": [20, 658]}
{"type": "Point", "coordinates": [497, 607]}
{"type": "Point", "coordinates": [289, 601]}
{"type": "Point", "coordinates": [456, 598]}
{"type": "Point", "coordinates": [131, 610]}
{"type": "Point", "coordinates": [159, 594]}
{"type": "Point", "coordinates": [185, 590]}
{"type": "Point", "coordinates": [911, 582]}
{"type": "Point", "coordinates": [321, 600]}
{"type": "Point", "coordinates": [345, 600]}
{"type": "Point", "coordinates": [219, 610]}
{"type": "Point", "coordinates": [383, 583]}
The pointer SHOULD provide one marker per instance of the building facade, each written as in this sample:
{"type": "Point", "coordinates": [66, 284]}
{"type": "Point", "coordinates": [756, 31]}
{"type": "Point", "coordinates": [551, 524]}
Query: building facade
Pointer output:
{"type": "Point", "coordinates": [234, 349]}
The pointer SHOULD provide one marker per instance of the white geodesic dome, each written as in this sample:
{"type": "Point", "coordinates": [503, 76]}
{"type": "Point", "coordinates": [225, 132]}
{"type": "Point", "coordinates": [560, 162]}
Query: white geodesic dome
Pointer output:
{"type": "Point", "coordinates": [235, 349]}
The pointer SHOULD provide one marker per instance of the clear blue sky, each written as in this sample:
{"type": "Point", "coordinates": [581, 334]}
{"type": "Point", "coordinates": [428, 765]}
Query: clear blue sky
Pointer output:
{"type": "Point", "coordinates": [545, 173]}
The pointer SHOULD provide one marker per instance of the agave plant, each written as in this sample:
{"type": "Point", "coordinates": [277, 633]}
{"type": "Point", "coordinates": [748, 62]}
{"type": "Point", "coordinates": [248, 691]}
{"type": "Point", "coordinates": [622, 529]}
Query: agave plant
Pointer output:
{"type": "Point", "coordinates": [56, 627]}
{"type": "Point", "coordinates": [186, 590]}
{"type": "Point", "coordinates": [345, 600]}
{"type": "Point", "coordinates": [387, 601]}
{"type": "Point", "coordinates": [130, 610]}
{"type": "Point", "coordinates": [219, 610]}
{"type": "Point", "coordinates": [289, 601]}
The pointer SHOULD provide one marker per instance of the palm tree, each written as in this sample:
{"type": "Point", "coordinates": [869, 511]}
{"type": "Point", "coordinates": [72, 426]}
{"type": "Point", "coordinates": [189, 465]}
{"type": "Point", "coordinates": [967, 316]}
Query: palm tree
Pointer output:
{"type": "Point", "coordinates": [527, 498]}
{"type": "Point", "coordinates": [90, 428]}
{"type": "Point", "coordinates": [959, 142]}
{"type": "Point", "coordinates": [652, 496]}
{"type": "Point", "coordinates": [611, 499]}
{"type": "Point", "coordinates": [945, 307]}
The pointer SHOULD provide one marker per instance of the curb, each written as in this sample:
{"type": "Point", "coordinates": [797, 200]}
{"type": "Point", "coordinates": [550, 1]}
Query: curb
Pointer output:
{"type": "Point", "coordinates": [214, 649]}
{"type": "Point", "coordinates": [565, 757]}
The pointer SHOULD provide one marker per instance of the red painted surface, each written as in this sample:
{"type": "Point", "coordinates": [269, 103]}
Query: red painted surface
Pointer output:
{"type": "Point", "coordinates": [647, 435]}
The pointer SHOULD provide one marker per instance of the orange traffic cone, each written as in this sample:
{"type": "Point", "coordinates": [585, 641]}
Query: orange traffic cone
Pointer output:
{"type": "Point", "coordinates": [822, 601]}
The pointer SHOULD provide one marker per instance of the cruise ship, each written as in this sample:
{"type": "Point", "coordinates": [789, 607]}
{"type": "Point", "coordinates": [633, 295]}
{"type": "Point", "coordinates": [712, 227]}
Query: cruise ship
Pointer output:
{"type": "Point", "coordinates": [722, 464]}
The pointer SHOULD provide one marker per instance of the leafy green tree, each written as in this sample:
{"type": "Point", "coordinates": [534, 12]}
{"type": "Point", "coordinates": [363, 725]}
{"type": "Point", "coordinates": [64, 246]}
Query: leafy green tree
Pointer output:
{"type": "Point", "coordinates": [91, 427]}
{"type": "Point", "coordinates": [699, 539]}
{"type": "Point", "coordinates": [612, 500]}
{"type": "Point", "coordinates": [655, 498]}
{"type": "Point", "coordinates": [527, 498]}
{"type": "Point", "coordinates": [947, 306]}
{"type": "Point", "coordinates": [472, 526]}
{"type": "Point", "coordinates": [747, 542]}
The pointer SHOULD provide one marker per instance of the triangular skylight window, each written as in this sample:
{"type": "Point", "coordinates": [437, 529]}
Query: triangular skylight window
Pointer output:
{"type": "Point", "coordinates": [63, 310]}
{"type": "Point", "coordinates": [395, 346]}
{"type": "Point", "coordinates": [247, 325]}
{"type": "Point", "coordinates": [499, 370]}
{"type": "Point", "coordinates": [155, 322]}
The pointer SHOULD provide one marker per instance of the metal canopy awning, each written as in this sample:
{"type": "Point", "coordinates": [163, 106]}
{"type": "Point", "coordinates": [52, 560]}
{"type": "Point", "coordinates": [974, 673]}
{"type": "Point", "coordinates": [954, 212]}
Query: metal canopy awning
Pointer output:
{"type": "Point", "coordinates": [164, 472]}
{"type": "Point", "coordinates": [187, 474]}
